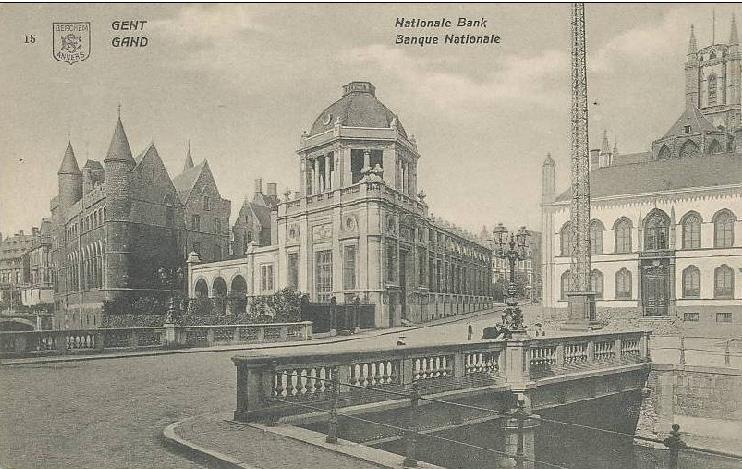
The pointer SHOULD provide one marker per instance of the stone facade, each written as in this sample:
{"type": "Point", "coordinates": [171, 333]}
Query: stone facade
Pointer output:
{"type": "Point", "coordinates": [665, 229]}
{"type": "Point", "coordinates": [254, 223]}
{"type": "Point", "coordinates": [114, 225]}
{"type": "Point", "coordinates": [14, 266]}
{"type": "Point", "coordinates": [359, 227]}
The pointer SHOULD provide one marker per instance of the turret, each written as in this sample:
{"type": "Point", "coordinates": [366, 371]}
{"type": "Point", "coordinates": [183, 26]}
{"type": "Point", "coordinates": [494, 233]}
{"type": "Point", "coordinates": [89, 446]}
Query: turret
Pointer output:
{"type": "Point", "coordinates": [548, 180]}
{"type": "Point", "coordinates": [188, 160]}
{"type": "Point", "coordinates": [691, 71]}
{"type": "Point", "coordinates": [118, 166]}
{"type": "Point", "coordinates": [69, 178]}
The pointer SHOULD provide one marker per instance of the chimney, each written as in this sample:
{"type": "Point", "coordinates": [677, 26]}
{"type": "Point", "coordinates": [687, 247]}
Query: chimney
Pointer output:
{"type": "Point", "coordinates": [258, 186]}
{"type": "Point", "coordinates": [272, 189]}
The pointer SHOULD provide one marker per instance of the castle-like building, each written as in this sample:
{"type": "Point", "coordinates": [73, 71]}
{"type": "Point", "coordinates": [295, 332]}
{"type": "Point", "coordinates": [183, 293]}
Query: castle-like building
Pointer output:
{"type": "Point", "coordinates": [665, 234]}
{"type": "Point", "coordinates": [117, 226]}
{"type": "Point", "coordinates": [359, 227]}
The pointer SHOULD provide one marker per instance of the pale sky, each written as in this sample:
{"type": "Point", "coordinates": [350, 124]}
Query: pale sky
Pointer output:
{"type": "Point", "coordinates": [243, 81]}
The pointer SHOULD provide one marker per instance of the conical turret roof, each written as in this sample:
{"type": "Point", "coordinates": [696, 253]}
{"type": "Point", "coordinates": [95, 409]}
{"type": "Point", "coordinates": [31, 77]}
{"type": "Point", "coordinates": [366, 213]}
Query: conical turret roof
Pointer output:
{"type": "Point", "coordinates": [119, 149]}
{"type": "Point", "coordinates": [692, 44]}
{"type": "Point", "coordinates": [188, 160]}
{"type": "Point", "coordinates": [69, 162]}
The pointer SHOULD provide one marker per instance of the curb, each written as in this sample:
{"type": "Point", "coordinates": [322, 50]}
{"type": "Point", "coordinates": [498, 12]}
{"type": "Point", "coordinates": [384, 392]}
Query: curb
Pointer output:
{"type": "Point", "coordinates": [197, 453]}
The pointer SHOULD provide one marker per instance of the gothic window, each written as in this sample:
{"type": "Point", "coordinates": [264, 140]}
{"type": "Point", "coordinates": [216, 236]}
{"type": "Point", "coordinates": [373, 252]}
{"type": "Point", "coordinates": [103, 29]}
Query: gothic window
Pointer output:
{"type": "Point", "coordinates": [622, 230]}
{"type": "Point", "coordinates": [656, 231]}
{"type": "Point", "coordinates": [391, 262]}
{"type": "Point", "coordinates": [293, 268]}
{"type": "Point", "coordinates": [266, 278]}
{"type": "Point", "coordinates": [596, 237]}
{"type": "Point", "coordinates": [565, 285]}
{"type": "Point", "coordinates": [714, 147]}
{"type": "Point", "coordinates": [691, 282]}
{"type": "Point", "coordinates": [712, 88]}
{"type": "Point", "coordinates": [724, 229]}
{"type": "Point", "coordinates": [596, 283]}
{"type": "Point", "coordinates": [623, 284]}
{"type": "Point", "coordinates": [691, 231]}
{"type": "Point", "coordinates": [689, 150]}
{"type": "Point", "coordinates": [723, 282]}
{"type": "Point", "coordinates": [195, 223]}
{"type": "Point", "coordinates": [207, 203]}
{"type": "Point", "coordinates": [565, 235]}
{"type": "Point", "coordinates": [349, 267]}
{"type": "Point", "coordinates": [323, 275]}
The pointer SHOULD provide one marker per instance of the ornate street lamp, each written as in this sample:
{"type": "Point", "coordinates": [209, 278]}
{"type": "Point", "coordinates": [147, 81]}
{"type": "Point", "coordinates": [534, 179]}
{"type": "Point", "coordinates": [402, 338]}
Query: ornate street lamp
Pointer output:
{"type": "Point", "coordinates": [513, 247]}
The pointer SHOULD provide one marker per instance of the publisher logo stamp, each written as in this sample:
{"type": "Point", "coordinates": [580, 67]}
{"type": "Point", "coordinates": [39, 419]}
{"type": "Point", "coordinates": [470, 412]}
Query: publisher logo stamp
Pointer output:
{"type": "Point", "coordinates": [71, 42]}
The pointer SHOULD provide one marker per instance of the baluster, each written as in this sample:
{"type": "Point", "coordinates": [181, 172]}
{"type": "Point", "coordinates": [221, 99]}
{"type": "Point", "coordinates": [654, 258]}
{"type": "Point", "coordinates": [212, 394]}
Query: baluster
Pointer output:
{"type": "Point", "coordinates": [394, 372]}
{"type": "Point", "coordinates": [290, 387]}
{"type": "Point", "coordinates": [354, 375]}
{"type": "Point", "coordinates": [278, 383]}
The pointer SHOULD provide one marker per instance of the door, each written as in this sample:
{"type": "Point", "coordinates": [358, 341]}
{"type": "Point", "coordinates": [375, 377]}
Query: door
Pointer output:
{"type": "Point", "coordinates": [655, 287]}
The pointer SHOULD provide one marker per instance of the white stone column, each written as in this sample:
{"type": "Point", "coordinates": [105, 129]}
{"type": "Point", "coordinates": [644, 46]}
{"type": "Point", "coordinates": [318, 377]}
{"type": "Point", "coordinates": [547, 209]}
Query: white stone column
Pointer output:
{"type": "Point", "coordinates": [328, 182]}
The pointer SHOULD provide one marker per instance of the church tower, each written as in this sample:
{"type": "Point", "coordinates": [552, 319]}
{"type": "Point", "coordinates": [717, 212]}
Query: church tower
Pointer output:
{"type": "Point", "coordinates": [118, 165]}
{"type": "Point", "coordinates": [69, 178]}
{"type": "Point", "coordinates": [691, 71]}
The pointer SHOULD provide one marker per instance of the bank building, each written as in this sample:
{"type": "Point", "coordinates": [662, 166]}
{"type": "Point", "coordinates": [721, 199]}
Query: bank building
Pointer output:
{"type": "Point", "coordinates": [665, 230]}
{"type": "Point", "coordinates": [358, 227]}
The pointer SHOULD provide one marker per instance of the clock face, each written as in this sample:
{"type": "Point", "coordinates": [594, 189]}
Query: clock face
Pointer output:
{"type": "Point", "coordinates": [328, 118]}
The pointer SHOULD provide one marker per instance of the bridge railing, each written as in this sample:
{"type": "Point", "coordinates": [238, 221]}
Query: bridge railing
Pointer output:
{"type": "Point", "coordinates": [563, 355]}
{"type": "Point", "coordinates": [60, 342]}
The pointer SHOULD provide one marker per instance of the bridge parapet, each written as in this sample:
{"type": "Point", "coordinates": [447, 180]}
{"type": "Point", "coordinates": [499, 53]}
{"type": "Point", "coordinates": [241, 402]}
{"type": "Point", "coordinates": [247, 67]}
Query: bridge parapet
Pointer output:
{"type": "Point", "coordinates": [269, 384]}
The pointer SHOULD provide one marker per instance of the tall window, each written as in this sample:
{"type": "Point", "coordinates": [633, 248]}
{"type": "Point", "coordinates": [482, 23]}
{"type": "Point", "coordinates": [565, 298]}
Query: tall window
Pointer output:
{"type": "Point", "coordinates": [622, 230]}
{"type": "Point", "coordinates": [356, 164]}
{"type": "Point", "coordinates": [207, 203]}
{"type": "Point", "coordinates": [623, 284]}
{"type": "Point", "coordinates": [692, 231]}
{"type": "Point", "coordinates": [712, 90]}
{"type": "Point", "coordinates": [564, 239]}
{"type": "Point", "coordinates": [691, 282]}
{"type": "Point", "coordinates": [266, 278]}
{"type": "Point", "coordinates": [723, 282]}
{"type": "Point", "coordinates": [724, 229]}
{"type": "Point", "coordinates": [656, 231]}
{"type": "Point", "coordinates": [349, 267]}
{"type": "Point", "coordinates": [196, 222]}
{"type": "Point", "coordinates": [391, 262]}
{"type": "Point", "coordinates": [596, 283]}
{"type": "Point", "coordinates": [565, 285]}
{"type": "Point", "coordinates": [596, 237]}
{"type": "Point", "coordinates": [293, 270]}
{"type": "Point", "coordinates": [323, 275]}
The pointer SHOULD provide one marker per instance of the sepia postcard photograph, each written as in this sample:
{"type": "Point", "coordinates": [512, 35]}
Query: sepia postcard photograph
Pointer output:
{"type": "Point", "coordinates": [363, 235]}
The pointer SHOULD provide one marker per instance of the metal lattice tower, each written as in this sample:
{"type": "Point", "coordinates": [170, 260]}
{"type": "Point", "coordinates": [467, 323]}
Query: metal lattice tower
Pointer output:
{"type": "Point", "coordinates": [580, 158]}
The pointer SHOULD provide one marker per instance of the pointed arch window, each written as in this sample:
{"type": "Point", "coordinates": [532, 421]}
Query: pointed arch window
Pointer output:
{"type": "Point", "coordinates": [656, 231]}
{"type": "Point", "coordinates": [712, 88]}
{"type": "Point", "coordinates": [596, 283]}
{"type": "Point", "coordinates": [596, 237]}
{"type": "Point", "coordinates": [724, 229]}
{"type": "Point", "coordinates": [691, 282]}
{"type": "Point", "coordinates": [692, 231]}
{"type": "Point", "coordinates": [664, 153]}
{"type": "Point", "coordinates": [622, 231]}
{"type": "Point", "coordinates": [565, 242]}
{"type": "Point", "coordinates": [723, 282]}
{"type": "Point", "coordinates": [715, 147]}
{"type": "Point", "coordinates": [689, 150]}
{"type": "Point", "coordinates": [623, 284]}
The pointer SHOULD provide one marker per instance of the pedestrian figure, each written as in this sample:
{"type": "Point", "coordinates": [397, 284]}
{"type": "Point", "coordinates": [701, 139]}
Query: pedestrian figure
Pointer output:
{"type": "Point", "coordinates": [539, 329]}
{"type": "Point", "coordinates": [471, 332]}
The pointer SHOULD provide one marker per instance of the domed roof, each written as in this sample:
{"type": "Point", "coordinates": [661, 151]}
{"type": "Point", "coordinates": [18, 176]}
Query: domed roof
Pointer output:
{"type": "Point", "coordinates": [358, 107]}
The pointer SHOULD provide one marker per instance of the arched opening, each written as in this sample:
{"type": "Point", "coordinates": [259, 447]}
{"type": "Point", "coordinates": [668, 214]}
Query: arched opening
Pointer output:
{"type": "Point", "coordinates": [596, 237]}
{"type": "Point", "coordinates": [564, 285]}
{"type": "Point", "coordinates": [565, 239]}
{"type": "Point", "coordinates": [689, 150]}
{"type": "Point", "coordinates": [656, 231]}
{"type": "Point", "coordinates": [691, 282]}
{"type": "Point", "coordinates": [238, 295]}
{"type": "Point", "coordinates": [724, 282]}
{"type": "Point", "coordinates": [201, 289]}
{"type": "Point", "coordinates": [715, 147]}
{"type": "Point", "coordinates": [622, 230]}
{"type": "Point", "coordinates": [691, 230]}
{"type": "Point", "coordinates": [724, 228]}
{"type": "Point", "coordinates": [664, 153]}
{"type": "Point", "coordinates": [219, 289]}
{"type": "Point", "coordinates": [596, 283]}
{"type": "Point", "coordinates": [623, 284]}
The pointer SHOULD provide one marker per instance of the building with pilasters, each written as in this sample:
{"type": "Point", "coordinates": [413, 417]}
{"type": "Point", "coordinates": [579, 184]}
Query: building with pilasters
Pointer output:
{"type": "Point", "coordinates": [359, 227]}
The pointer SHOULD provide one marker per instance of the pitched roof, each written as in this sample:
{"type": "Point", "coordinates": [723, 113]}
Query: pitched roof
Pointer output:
{"type": "Point", "coordinates": [691, 116]}
{"type": "Point", "coordinates": [664, 175]}
{"type": "Point", "coordinates": [185, 181]}
{"type": "Point", "coordinates": [69, 162]}
{"type": "Point", "coordinates": [119, 149]}
{"type": "Point", "coordinates": [94, 165]}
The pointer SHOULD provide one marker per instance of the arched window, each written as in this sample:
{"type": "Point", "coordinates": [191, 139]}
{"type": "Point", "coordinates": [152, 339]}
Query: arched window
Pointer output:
{"type": "Point", "coordinates": [689, 150]}
{"type": "Point", "coordinates": [596, 283]}
{"type": "Point", "coordinates": [596, 237]}
{"type": "Point", "coordinates": [723, 282]}
{"type": "Point", "coordinates": [565, 285]}
{"type": "Point", "coordinates": [656, 231]}
{"type": "Point", "coordinates": [207, 202]}
{"type": "Point", "coordinates": [664, 153]}
{"type": "Point", "coordinates": [691, 231]}
{"type": "Point", "coordinates": [623, 284]}
{"type": "Point", "coordinates": [691, 282]}
{"type": "Point", "coordinates": [622, 230]}
{"type": "Point", "coordinates": [565, 239]}
{"type": "Point", "coordinates": [724, 229]}
{"type": "Point", "coordinates": [202, 289]}
{"type": "Point", "coordinates": [715, 147]}
{"type": "Point", "coordinates": [712, 88]}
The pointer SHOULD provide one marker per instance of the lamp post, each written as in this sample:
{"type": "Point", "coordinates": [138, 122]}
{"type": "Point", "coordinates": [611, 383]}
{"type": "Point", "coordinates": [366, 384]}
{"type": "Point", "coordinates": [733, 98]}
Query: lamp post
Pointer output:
{"type": "Point", "coordinates": [513, 247]}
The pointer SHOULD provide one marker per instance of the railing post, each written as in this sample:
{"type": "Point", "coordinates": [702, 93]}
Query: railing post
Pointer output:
{"type": "Point", "coordinates": [674, 443]}
{"type": "Point", "coordinates": [261, 333]}
{"type": "Point", "coordinates": [332, 428]}
{"type": "Point", "coordinates": [283, 333]}
{"type": "Point", "coordinates": [517, 363]}
{"type": "Point", "coordinates": [407, 371]}
{"type": "Point", "coordinates": [459, 365]}
{"type": "Point", "coordinates": [617, 348]}
{"type": "Point", "coordinates": [254, 387]}
{"type": "Point", "coordinates": [210, 336]}
{"type": "Point", "coordinates": [100, 341]}
{"type": "Point", "coordinates": [133, 338]}
{"type": "Point", "coordinates": [645, 345]}
{"type": "Point", "coordinates": [559, 355]}
{"type": "Point", "coordinates": [590, 351]}
{"type": "Point", "coordinates": [410, 459]}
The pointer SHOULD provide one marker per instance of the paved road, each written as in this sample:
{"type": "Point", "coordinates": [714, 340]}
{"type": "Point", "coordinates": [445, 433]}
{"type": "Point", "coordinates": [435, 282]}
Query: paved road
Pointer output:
{"type": "Point", "coordinates": [109, 413]}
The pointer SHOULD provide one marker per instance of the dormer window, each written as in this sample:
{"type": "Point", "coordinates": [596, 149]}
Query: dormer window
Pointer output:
{"type": "Point", "coordinates": [687, 129]}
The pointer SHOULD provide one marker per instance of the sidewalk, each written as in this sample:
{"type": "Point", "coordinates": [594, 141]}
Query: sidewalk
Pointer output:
{"type": "Point", "coordinates": [242, 347]}
{"type": "Point", "coordinates": [220, 442]}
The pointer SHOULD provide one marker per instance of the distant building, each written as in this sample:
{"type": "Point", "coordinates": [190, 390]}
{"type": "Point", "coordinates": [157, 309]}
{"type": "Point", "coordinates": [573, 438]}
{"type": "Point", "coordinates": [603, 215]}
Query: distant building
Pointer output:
{"type": "Point", "coordinates": [254, 222]}
{"type": "Point", "coordinates": [528, 270]}
{"type": "Point", "coordinates": [359, 227]}
{"type": "Point", "coordinates": [38, 288]}
{"type": "Point", "coordinates": [665, 233]}
{"type": "Point", "coordinates": [14, 268]}
{"type": "Point", "coordinates": [114, 225]}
